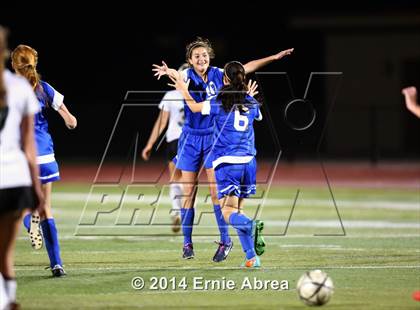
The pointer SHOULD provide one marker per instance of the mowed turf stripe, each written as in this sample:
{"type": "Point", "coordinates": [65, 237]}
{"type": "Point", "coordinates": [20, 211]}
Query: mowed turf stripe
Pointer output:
{"type": "Point", "coordinates": [373, 204]}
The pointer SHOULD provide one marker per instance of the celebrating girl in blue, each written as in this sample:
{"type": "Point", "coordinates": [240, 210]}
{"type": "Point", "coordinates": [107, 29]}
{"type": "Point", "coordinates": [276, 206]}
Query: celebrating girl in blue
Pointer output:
{"type": "Point", "coordinates": [233, 155]}
{"type": "Point", "coordinates": [196, 141]}
{"type": "Point", "coordinates": [24, 61]}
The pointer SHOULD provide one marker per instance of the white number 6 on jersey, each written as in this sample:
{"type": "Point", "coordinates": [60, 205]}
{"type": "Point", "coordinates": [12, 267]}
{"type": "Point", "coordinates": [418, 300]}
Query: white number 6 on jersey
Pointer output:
{"type": "Point", "coordinates": [240, 122]}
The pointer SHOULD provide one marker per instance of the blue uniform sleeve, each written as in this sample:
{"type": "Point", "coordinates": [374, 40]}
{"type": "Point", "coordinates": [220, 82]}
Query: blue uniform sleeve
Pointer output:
{"type": "Point", "coordinates": [255, 107]}
{"type": "Point", "coordinates": [220, 74]}
{"type": "Point", "coordinates": [54, 97]}
{"type": "Point", "coordinates": [258, 114]}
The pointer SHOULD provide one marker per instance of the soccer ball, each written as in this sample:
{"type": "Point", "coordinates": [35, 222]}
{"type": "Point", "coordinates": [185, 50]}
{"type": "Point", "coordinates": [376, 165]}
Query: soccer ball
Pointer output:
{"type": "Point", "coordinates": [315, 288]}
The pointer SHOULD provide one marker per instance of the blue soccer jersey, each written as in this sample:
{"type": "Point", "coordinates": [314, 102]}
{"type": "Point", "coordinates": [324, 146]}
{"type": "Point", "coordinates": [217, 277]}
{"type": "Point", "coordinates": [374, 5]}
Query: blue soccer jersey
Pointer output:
{"type": "Point", "coordinates": [47, 97]}
{"type": "Point", "coordinates": [196, 140]}
{"type": "Point", "coordinates": [200, 91]}
{"type": "Point", "coordinates": [234, 140]}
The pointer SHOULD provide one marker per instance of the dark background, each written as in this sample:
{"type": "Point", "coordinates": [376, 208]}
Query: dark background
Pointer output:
{"type": "Point", "coordinates": [94, 56]}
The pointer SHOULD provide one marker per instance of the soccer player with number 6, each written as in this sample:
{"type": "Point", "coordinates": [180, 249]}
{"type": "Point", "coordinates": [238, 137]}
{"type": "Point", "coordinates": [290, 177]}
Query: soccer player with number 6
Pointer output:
{"type": "Point", "coordinates": [196, 141]}
{"type": "Point", "coordinates": [234, 110]}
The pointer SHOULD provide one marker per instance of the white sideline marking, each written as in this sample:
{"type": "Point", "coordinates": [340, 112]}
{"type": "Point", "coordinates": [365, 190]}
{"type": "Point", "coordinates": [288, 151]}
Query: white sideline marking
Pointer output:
{"type": "Point", "coordinates": [151, 268]}
{"type": "Point", "coordinates": [346, 224]}
{"type": "Point", "coordinates": [377, 204]}
{"type": "Point", "coordinates": [211, 239]}
{"type": "Point", "coordinates": [293, 223]}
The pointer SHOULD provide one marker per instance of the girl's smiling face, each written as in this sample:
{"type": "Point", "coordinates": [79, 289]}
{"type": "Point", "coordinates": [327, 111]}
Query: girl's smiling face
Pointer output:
{"type": "Point", "coordinates": [200, 60]}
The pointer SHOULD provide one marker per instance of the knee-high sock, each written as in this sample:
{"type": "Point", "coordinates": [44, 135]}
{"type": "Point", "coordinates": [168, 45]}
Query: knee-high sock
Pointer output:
{"type": "Point", "coordinates": [243, 225]}
{"type": "Point", "coordinates": [187, 217]}
{"type": "Point", "coordinates": [50, 234]}
{"type": "Point", "coordinates": [4, 298]}
{"type": "Point", "coordinates": [10, 288]}
{"type": "Point", "coordinates": [221, 223]}
{"type": "Point", "coordinates": [27, 221]}
{"type": "Point", "coordinates": [175, 193]}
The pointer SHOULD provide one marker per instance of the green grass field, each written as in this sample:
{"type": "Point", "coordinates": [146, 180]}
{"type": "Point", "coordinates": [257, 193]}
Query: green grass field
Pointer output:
{"type": "Point", "coordinates": [374, 265]}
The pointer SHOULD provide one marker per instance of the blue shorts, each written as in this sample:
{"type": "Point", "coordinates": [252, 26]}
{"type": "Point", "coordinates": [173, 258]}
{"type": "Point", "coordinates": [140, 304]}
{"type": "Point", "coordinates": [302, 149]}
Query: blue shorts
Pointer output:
{"type": "Point", "coordinates": [194, 149]}
{"type": "Point", "coordinates": [236, 179]}
{"type": "Point", "coordinates": [48, 172]}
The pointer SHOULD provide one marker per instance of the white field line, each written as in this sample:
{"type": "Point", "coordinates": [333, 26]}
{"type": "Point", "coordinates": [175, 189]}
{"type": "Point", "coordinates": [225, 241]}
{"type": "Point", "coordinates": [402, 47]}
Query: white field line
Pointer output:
{"type": "Point", "coordinates": [273, 224]}
{"type": "Point", "coordinates": [176, 239]}
{"type": "Point", "coordinates": [347, 224]}
{"type": "Point", "coordinates": [148, 199]}
{"type": "Point", "coordinates": [176, 268]}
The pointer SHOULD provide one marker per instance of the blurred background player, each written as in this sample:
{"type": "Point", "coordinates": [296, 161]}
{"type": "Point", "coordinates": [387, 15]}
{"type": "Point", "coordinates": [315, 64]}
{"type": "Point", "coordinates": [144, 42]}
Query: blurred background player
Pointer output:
{"type": "Point", "coordinates": [172, 112]}
{"type": "Point", "coordinates": [410, 95]}
{"type": "Point", "coordinates": [24, 62]}
{"type": "Point", "coordinates": [196, 140]}
{"type": "Point", "coordinates": [234, 152]}
{"type": "Point", "coordinates": [19, 186]}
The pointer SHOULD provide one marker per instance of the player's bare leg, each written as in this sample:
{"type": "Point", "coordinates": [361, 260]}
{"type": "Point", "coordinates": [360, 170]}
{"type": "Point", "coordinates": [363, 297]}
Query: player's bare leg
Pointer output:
{"type": "Point", "coordinates": [9, 227]}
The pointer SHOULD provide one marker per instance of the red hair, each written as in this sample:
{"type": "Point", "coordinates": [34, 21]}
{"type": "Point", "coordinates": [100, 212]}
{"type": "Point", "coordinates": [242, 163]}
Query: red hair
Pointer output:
{"type": "Point", "coordinates": [24, 61]}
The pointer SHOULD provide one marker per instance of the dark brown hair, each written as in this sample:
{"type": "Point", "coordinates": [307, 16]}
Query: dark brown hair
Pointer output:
{"type": "Point", "coordinates": [234, 93]}
{"type": "Point", "coordinates": [199, 42]}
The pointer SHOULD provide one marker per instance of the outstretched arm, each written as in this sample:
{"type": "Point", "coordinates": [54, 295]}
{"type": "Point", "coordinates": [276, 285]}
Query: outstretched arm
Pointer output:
{"type": "Point", "coordinates": [69, 119]}
{"type": "Point", "coordinates": [194, 106]}
{"type": "Point", "coordinates": [179, 84]}
{"type": "Point", "coordinates": [410, 94]}
{"type": "Point", "coordinates": [254, 65]}
{"type": "Point", "coordinates": [157, 130]}
{"type": "Point", "coordinates": [182, 86]}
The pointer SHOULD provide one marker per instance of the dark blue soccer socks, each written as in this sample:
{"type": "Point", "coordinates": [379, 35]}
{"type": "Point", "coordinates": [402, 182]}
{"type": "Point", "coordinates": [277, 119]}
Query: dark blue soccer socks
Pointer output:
{"type": "Point", "coordinates": [50, 233]}
{"type": "Point", "coordinates": [221, 223]}
{"type": "Point", "coordinates": [243, 226]}
{"type": "Point", "coordinates": [187, 218]}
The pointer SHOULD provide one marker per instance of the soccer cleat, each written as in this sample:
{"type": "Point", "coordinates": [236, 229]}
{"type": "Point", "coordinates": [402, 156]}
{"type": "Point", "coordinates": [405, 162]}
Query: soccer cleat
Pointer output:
{"type": "Point", "coordinates": [222, 251]}
{"type": "Point", "coordinates": [176, 223]}
{"type": "Point", "coordinates": [188, 251]}
{"type": "Point", "coordinates": [252, 263]}
{"type": "Point", "coordinates": [35, 234]}
{"type": "Point", "coordinates": [259, 243]}
{"type": "Point", "coordinates": [58, 271]}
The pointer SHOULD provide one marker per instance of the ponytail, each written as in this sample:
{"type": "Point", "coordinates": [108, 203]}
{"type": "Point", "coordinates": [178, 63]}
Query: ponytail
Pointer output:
{"type": "Point", "coordinates": [24, 61]}
{"type": "Point", "coordinates": [233, 94]}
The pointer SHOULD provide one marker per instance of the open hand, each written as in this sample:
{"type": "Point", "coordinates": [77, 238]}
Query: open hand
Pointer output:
{"type": "Point", "coordinates": [252, 88]}
{"type": "Point", "coordinates": [283, 53]}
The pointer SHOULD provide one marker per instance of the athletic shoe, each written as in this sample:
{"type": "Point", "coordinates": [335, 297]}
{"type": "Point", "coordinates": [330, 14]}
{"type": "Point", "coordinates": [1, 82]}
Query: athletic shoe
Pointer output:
{"type": "Point", "coordinates": [58, 271]}
{"type": "Point", "coordinates": [254, 262]}
{"type": "Point", "coordinates": [222, 251]}
{"type": "Point", "coordinates": [188, 251]}
{"type": "Point", "coordinates": [259, 243]}
{"type": "Point", "coordinates": [176, 223]}
{"type": "Point", "coordinates": [35, 234]}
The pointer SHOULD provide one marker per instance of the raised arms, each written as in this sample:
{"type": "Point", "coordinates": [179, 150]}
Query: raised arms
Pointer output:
{"type": "Point", "coordinates": [254, 65]}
